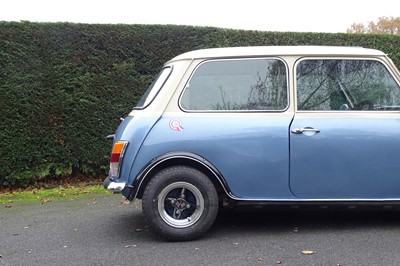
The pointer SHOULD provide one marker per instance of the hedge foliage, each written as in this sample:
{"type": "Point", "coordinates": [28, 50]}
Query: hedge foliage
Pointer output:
{"type": "Point", "coordinates": [64, 86]}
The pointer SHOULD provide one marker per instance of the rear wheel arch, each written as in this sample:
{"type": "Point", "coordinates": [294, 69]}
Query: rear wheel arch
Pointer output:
{"type": "Point", "coordinates": [179, 159]}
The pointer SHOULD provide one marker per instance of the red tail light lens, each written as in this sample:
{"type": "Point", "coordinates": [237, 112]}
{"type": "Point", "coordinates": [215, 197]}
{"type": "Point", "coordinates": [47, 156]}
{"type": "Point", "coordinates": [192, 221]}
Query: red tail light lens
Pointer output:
{"type": "Point", "coordinates": [117, 155]}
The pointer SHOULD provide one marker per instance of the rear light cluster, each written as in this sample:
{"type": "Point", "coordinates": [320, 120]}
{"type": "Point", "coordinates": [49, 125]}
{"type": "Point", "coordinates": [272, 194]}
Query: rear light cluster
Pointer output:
{"type": "Point", "coordinates": [117, 155]}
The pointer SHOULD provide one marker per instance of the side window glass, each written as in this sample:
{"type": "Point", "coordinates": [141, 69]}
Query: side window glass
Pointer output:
{"type": "Point", "coordinates": [154, 88]}
{"type": "Point", "coordinates": [326, 85]}
{"type": "Point", "coordinates": [251, 84]}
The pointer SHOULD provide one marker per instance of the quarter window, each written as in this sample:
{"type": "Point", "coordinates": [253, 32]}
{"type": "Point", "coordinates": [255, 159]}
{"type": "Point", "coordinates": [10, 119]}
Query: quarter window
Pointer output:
{"type": "Point", "coordinates": [345, 85]}
{"type": "Point", "coordinates": [252, 84]}
{"type": "Point", "coordinates": [154, 88]}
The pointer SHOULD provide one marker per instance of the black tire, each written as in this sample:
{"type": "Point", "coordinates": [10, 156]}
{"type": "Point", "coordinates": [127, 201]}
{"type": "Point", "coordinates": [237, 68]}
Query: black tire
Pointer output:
{"type": "Point", "coordinates": [180, 203]}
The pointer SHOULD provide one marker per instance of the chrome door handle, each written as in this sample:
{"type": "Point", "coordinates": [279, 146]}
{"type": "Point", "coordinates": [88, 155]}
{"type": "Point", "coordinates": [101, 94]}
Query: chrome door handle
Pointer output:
{"type": "Point", "coordinates": [305, 130]}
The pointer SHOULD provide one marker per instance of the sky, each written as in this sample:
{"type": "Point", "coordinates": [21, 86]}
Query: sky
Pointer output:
{"type": "Point", "coordinates": [264, 15]}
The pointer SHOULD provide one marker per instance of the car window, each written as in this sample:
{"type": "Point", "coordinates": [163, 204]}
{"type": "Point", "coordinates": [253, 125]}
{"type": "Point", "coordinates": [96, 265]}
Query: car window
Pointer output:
{"type": "Point", "coordinates": [345, 85]}
{"type": "Point", "coordinates": [154, 88]}
{"type": "Point", "coordinates": [247, 84]}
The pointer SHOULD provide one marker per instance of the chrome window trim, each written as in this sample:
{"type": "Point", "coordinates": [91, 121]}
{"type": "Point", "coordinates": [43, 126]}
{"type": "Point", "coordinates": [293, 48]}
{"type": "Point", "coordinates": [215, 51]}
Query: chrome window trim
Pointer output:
{"type": "Point", "coordinates": [299, 60]}
{"type": "Point", "coordinates": [288, 89]}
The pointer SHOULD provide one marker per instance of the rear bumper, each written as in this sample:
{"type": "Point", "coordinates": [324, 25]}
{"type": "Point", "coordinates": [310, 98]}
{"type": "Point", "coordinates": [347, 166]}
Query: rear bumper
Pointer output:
{"type": "Point", "coordinates": [112, 184]}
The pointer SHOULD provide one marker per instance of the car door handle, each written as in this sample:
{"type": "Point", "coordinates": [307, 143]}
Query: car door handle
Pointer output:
{"type": "Point", "coordinates": [305, 130]}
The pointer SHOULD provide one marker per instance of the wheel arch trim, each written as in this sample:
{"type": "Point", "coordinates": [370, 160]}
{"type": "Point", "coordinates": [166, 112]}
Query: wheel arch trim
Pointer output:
{"type": "Point", "coordinates": [169, 159]}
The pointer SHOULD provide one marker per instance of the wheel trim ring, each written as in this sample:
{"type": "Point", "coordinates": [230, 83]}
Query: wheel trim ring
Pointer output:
{"type": "Point", "coordinates": [193, 218]}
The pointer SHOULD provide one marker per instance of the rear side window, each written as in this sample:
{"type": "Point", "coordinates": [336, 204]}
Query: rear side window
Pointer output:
{"type": "Point", "coordinates": [345, 85]}
{"type": "Point", "coordinates": [246, 84]}
{"type": "Point", "coordinates": [154, 88]}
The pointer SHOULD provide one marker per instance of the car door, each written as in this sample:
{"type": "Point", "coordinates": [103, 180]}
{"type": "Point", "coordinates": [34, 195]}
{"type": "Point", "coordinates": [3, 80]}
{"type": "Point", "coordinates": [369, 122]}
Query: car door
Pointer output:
{"type": "Point", "coordinates": [345, 136]}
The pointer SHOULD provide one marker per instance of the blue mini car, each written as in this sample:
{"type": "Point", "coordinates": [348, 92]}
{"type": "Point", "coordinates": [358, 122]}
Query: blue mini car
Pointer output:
{"type": "Point", "coordinates": [260, 126]}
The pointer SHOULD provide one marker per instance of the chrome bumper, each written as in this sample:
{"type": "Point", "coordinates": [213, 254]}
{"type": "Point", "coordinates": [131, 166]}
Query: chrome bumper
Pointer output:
{"type": "Point", "coordinates": [112, 184]}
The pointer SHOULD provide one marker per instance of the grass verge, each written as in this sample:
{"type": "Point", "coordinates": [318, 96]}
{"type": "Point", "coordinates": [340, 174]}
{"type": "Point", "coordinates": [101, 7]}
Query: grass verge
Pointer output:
{"type": "Point", "coordinates": [48, 195]}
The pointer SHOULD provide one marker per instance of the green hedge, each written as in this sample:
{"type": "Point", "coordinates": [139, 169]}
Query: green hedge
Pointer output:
{"type": "Point", "coordinates": [64, 86]}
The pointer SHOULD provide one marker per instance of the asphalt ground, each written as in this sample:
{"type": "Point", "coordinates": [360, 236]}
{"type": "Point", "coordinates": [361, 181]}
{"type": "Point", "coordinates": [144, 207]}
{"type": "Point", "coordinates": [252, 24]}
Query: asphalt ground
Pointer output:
{"type": "Point", "coordinates": [104, 230]}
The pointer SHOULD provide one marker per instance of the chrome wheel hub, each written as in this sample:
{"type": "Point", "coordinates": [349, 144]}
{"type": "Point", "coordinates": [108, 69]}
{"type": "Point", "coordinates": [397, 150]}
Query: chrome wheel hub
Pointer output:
{"type": "Point", "coordinates": [180, 204]}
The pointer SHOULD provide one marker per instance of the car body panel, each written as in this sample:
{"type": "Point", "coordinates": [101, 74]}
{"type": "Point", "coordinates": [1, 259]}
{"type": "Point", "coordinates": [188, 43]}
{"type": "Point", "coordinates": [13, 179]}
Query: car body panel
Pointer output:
{"type": "Point", "coordinates": [262, 159]}
{"type": "Point", "coordinates": [349, 158]}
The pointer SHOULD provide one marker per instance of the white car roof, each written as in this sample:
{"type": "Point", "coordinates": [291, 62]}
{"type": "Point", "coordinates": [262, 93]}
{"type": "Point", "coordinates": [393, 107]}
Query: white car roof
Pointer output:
{"type": "Point", "coordinates": [254, 51]}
